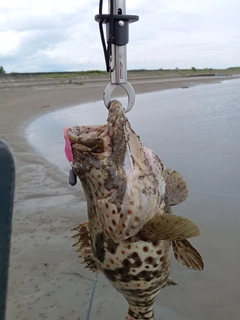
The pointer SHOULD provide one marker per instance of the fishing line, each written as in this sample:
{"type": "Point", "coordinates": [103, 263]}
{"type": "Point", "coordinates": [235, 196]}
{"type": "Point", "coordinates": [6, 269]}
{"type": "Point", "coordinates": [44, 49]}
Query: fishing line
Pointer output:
{"type": "Point", "coordinates": [92, 296]}
{"type": "Point", "coordinates": [107, 49]}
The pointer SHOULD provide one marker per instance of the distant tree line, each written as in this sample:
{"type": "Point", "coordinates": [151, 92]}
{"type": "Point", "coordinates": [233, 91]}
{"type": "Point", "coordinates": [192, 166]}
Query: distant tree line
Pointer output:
{"type": "Point", "coordinates": [2, 70]}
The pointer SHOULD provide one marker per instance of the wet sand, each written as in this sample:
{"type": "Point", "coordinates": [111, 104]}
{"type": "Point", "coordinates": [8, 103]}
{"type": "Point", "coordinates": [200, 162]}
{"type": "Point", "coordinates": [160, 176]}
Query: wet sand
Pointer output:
{"type": "Point", "coordinates": [47, 280]}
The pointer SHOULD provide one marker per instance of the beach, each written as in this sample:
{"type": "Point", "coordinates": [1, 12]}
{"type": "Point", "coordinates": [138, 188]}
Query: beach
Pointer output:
{"type": "Point", "coordinates": [46, 279]}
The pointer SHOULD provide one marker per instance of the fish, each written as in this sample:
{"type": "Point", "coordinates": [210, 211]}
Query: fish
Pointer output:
{"type": "Point", "coordinates": [131, 228]}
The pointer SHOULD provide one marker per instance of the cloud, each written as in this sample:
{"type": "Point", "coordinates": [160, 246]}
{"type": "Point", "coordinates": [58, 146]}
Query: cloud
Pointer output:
{"type": "Point", "coordinates": [51, 35]}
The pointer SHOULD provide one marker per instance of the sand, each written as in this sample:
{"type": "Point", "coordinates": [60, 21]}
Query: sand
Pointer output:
{"type": "Point", "coordinates": [46, 280]}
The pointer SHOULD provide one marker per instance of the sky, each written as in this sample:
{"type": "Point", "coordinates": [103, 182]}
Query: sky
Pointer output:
{"type": "Point", "coordinates": [62, 35]}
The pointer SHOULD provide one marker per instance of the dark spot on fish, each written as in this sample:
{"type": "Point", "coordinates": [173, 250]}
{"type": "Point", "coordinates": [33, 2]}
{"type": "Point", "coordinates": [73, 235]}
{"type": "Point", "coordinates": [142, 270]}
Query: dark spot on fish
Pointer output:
{"type": "Point", "coordinates": [138, 263]}
{"type": "Point", "coordinates": [99, 247]}
{"type": "Point", "coordinates": [134, 256]}
{"type": "Point", "coordinates": [159, 252]}
{"type": "Point", "coordinates": [123, 225]}
{"type": "Point", "coordinates": [145, 275]}
{"type": "Point", "coordinates": [111, 260]}
{"type": "Point", "coordinates": [129, 247]}
{"type": "Point", "coordinates": [162, 259]}
{"type": "Point", "coordinates": [121, 215]}
{"type": "Point", "coordinates": [114, 222]}
{"type": "Point", "coordinates": [110, 274]}
{"type": "Point", "coordinates": [145, 249]}
{"type": "Point", "coordinates": [112, 246]}
{"type": "Point", "coordinates": [113, 212]}
{"type": "Point", "coordinates": [126, 263]}
{"type": "Point", "coordinates": [155, 243]}
{"type": "Point", "coordinates": [155, 273]}
{"type": "Point", "coordinates": [137, 219]}
{"type": "Point", "coordinates": [129, 212]}
{"type": "Point", "coordinates": [144, 191]}
{"type": "Point", "coordinates": [106, 205]}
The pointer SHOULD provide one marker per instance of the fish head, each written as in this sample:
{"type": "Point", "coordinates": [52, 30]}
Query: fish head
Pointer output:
{"type": "Point", "coordinates": [121, 178]}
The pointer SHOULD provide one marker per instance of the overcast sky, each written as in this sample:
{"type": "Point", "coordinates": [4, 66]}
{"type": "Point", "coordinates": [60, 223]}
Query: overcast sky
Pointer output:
{"type": "Point", "coordinates": [62, 35]}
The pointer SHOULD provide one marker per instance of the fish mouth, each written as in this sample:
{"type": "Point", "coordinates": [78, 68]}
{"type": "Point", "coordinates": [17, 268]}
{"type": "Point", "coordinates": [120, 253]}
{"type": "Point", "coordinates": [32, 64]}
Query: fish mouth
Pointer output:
{"type": "Point", "coordinates": [101, 140]}
{"type": "Point", "coordinates": [88, 138]}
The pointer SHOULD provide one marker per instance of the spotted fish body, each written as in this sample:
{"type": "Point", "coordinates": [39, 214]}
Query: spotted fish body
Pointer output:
{"type": "Point", "coordinates": [129, 197]}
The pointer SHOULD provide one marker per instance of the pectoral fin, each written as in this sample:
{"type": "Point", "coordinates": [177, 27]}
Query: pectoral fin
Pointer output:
{"type": "Point", "coordinates": [176, 187]}
{"type": "Point", "coordinates": [84, 246]}
{"type": "Point", "coordinates": [187, 255]}
{"type": "Point", "coordinates": [169, 227]}
{"type": "Point", "coordinates": [170, 282]}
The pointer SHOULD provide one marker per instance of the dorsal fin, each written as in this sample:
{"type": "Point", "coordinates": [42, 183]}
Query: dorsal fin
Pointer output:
{"type": "Point", "coordinates": [84, 246]}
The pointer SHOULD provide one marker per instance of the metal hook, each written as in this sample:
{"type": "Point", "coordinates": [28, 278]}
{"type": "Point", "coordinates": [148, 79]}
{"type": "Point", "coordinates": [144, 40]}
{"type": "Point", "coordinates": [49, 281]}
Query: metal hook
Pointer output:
{"type": "Point", "coordinates": [127, 87]}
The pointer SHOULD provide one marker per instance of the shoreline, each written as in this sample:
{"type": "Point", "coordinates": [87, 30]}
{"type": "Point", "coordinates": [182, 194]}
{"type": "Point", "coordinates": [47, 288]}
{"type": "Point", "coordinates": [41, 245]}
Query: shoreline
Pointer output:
{"type": "Point", "coordinates": [43, 266]}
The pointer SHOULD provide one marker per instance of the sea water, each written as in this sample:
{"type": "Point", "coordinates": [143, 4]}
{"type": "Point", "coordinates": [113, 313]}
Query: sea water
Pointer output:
{"type": "Point", "coordinates": [195, 131]}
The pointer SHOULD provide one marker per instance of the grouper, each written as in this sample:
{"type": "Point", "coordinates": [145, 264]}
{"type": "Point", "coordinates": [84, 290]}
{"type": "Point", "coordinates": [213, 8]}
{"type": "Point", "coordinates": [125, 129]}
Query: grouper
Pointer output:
{"type": "Point", "coordinates": [131, 228]}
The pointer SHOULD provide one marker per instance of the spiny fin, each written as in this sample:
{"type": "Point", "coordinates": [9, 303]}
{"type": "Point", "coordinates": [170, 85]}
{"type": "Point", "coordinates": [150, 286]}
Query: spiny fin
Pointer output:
{"type": "Point", "coordinates": [169, 227]}
{"type": "Point", "coordinates": [176, 187]}
{"type": "Point", "coordinates": [170, 282]}
{"type": "Point", "coordinates": [187, 255]}
{"type": "Point", "coordinates": [84, 246]}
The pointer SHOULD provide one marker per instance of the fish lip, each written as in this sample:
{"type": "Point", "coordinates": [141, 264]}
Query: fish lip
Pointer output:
{"type": "Point", "coordinates": [88, 138]}
{"type": "Point", "coordinates": [99, 139]}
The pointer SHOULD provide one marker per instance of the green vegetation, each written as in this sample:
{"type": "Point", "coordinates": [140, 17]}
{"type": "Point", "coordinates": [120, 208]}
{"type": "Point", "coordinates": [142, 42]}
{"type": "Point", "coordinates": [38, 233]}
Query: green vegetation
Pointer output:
{"type": "Point", "coordinates": [90, 73]}
{"type": "Point", "coordinates": [2, 70]}
{"type": "Point", "coordinates": [132, 73]}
